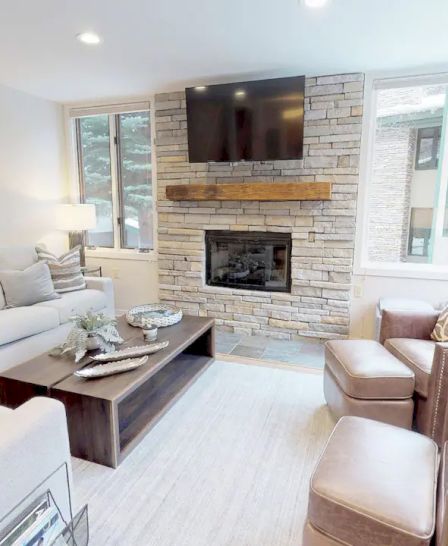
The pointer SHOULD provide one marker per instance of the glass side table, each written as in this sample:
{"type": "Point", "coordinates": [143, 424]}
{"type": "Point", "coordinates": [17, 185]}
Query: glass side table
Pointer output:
{"type": "Point", "coordinates": [93, 271]}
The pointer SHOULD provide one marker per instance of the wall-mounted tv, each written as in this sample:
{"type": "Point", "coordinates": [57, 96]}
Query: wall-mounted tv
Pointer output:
{"type": "Point", "coordinates": [246, 121]}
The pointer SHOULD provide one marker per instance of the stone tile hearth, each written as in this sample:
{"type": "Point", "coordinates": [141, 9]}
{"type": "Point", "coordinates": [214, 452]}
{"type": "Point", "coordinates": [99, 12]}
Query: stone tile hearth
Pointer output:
{"type": "Point", "coordinates": [299, 353]}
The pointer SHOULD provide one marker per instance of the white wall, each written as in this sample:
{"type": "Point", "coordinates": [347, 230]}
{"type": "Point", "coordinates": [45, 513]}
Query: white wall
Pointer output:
{"type": "Point", "coordinates": [367, 290]}
{"type": "Point", "coordinates": [135, 281]}
{"type": "Point", "coordinates": [423, 188]}
{"type": "Point", "coordinates": [32, 169]}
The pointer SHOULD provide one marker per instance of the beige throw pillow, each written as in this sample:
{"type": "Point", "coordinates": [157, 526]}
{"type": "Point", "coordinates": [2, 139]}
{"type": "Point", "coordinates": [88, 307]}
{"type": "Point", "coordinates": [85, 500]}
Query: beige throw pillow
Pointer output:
{"type": "Point", "coordinates": [27, 287]}
{"type": "Point", "coordinates": [440, 332]}
{"type": "Point", "coordinates": [65, 270]}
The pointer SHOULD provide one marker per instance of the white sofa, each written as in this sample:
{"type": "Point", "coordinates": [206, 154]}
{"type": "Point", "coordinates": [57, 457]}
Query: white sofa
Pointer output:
{"type": "Point", "coordinates": [26, 332]}
{"type": "Point", "coordinates": [34, 446]}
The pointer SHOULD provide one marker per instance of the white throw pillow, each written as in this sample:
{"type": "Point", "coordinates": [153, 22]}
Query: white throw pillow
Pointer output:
{"type": "Point", "coordinates": [28, 287]}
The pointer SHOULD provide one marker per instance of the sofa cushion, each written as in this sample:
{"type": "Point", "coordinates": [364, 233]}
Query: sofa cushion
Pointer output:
{"type": "Point", "coordinates": [418, 355]}
{"type": "Point", "coordinates": [20, 322]}
{"type": "Point", "coordinates": [17, 257]}
{"type": "Point", "coordinates": [375, 482]}
{"type": "Point", "coordinates": [76, 303]}
{"type": "Point", "coordinates": [365, 369]}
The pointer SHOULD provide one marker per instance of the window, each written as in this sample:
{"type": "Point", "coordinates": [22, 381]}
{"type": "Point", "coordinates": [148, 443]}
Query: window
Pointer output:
{"type": "Point", "coordinates": [114, 167]}
{"type": "Point", "coordinates": [407, 173]}
{"type": "Point", "coordinates": [428, 148]}
{"type": "Point", "coordinates": [420, 232]}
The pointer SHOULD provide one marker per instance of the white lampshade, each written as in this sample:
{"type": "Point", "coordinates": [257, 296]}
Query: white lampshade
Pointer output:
{"type": "Point", "coordinates": [76, 217]}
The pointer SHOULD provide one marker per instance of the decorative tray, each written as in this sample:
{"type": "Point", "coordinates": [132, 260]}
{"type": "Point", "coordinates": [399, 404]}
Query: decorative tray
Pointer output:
{"type": "Point", "coordinates": [131, 352]}
{"type": "Point", "coordinates": [111, 368]}
{"type": "Point", "coordinates": [154, 314]}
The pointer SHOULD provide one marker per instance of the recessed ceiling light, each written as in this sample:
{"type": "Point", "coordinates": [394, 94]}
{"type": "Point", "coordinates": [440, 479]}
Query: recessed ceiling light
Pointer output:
{"type": "Point", "coordinates": [315, 3]}
{"type": "Point", "coordinates": [90, 38]}
{"type": "Point", "coordinates": [240, 93]}
{"type": "Point", "coordinates": [201, 88]}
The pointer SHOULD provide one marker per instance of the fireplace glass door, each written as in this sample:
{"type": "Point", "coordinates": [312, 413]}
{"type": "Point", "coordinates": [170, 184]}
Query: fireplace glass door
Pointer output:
{"type": "Point", "coordinates": [249, 260]}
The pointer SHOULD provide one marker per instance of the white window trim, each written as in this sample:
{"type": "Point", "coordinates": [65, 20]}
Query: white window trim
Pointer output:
{"type": "Point", "coordinates": [362, 267]}
{"type": "Point", "coordinates": [111, 107]}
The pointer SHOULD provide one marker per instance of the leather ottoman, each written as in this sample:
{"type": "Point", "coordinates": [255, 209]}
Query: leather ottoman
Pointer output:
{"type": "Point", "coordinates": [374, 485]}
{"type": "Point", "coordinates": [362, 378]}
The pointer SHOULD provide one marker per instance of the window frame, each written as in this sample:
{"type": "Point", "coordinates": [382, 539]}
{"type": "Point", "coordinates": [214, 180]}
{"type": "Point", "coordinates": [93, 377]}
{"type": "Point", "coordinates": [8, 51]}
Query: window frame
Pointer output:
{"type": "Point", "coordinates": [416, 257]}
{"type": "Point", "coordinates": [374, 82]}
{"type": "Point", "coordinates": [71, 113]}
{"type": "Point", "coordinates": [436, 141]}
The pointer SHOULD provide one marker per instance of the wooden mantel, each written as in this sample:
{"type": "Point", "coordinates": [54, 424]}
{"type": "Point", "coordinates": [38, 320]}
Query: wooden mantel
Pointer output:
{"type": "Point", "coordinates": [249, 191]}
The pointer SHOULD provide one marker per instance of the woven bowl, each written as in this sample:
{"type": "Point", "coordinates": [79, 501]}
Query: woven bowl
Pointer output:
{"type": "Point", "coordinates": [154, 314]}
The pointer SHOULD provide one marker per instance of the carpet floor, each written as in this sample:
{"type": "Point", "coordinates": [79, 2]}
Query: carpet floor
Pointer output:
{"type": "Point", "coordinates": [228, 465]}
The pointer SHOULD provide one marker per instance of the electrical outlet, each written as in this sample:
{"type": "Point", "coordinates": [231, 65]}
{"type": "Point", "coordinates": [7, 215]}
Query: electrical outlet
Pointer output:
{"type": "Point", "coordinates": [357, 291]}
{"type": "Point", "coordinates": [115, 273]}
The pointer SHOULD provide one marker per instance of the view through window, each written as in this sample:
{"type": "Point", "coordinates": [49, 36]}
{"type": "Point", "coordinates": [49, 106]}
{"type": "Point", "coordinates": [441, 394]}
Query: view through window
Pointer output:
{"type": "Point", "coordinates": [114, 160]}
{"type": "Point", "coordinates": [406, 198]}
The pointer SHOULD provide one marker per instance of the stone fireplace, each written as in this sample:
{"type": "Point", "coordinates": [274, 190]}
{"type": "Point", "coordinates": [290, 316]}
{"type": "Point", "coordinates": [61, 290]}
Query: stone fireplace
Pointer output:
{"type": "Point", "coordinates": [322, 233]}
{"type": "Point", "coordinates": [248, 260]}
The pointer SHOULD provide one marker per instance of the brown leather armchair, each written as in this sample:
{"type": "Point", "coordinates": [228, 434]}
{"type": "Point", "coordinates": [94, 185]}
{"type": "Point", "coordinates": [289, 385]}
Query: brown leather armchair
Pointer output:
{"type": "Point", "coordinates": [407, 335]}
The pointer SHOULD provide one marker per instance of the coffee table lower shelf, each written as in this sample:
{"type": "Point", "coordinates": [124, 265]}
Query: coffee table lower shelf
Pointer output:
{"type": "Point", "coordinates": [105, 431]}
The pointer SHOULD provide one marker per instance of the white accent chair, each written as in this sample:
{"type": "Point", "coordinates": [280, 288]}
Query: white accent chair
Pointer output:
{"type": "Point", "coordinates": [33, 446]}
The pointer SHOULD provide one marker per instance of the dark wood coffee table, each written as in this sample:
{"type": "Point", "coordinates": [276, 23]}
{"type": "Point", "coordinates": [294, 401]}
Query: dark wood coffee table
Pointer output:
{"type": "Point", "coordinates": [107, 417]}
{"type": "Point", "coordinates": [35, 377]}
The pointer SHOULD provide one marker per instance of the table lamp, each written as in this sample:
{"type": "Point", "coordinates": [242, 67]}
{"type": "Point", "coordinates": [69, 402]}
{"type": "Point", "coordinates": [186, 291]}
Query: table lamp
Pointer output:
{"type": "Point", "coordinates": [76, 219]}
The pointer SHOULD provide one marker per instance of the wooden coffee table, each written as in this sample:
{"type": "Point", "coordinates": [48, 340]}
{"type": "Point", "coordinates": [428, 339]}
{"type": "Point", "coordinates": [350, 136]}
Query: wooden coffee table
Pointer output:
{"type": "Point", "coordinates": [107, 417]}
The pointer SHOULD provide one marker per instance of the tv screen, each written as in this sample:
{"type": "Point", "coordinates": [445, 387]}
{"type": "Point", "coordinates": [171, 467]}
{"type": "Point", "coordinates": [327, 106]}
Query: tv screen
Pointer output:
{"type": "Point", "coordinates": [252, 121]}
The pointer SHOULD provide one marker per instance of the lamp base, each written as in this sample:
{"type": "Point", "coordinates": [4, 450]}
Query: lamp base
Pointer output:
{"type": "Point", "coordinates": [77, 238]}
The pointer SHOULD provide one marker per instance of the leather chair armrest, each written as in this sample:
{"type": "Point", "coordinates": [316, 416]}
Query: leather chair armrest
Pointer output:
{"type": "Point", "coordinates": [407, 324]}
{"type": "Point", "coordinates": [438, 395]}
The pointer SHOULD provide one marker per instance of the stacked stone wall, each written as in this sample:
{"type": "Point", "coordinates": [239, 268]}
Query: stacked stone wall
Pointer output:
{"type": "Point", "coordinates": [323, 232]}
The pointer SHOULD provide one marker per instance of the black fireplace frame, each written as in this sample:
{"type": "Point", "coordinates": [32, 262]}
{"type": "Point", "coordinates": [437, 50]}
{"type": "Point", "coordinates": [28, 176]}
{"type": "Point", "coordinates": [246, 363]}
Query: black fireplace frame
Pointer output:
{"type": "Point", "coordinates": [255, 236]}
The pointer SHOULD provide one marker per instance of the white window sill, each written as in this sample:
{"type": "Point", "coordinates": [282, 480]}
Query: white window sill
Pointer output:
{"type": "Point", "coordinates": [115, 254]}
{"type": "Point", "coordinates": [404, 271]}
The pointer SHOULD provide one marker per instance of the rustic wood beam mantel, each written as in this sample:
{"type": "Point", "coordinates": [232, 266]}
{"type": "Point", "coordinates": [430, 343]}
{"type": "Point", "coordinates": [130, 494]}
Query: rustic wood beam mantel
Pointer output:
{"type": "Point", "coordinates": [249, 191]}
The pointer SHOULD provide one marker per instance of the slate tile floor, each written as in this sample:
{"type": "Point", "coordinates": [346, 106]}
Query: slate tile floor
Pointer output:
{"type": "Point", "coordinates": [304, 353]}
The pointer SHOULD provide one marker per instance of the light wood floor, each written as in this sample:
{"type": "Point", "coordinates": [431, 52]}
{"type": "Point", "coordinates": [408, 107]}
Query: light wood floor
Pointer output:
{"type": "Point", "coordinates": [229, 465]}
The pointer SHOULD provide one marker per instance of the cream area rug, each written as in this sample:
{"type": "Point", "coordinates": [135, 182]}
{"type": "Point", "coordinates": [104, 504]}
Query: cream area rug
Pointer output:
{"type": "Point", "coordinates": [228, 465]}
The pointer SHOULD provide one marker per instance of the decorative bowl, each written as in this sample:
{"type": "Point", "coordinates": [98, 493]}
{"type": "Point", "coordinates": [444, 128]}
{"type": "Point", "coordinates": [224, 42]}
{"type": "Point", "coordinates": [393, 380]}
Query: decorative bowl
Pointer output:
{"type": "Point", "coordinates": [111, 368]}
{"type": "Point", "coordinates": [154, 314]}
{"type": "Point", "coordinates": [131, 352]}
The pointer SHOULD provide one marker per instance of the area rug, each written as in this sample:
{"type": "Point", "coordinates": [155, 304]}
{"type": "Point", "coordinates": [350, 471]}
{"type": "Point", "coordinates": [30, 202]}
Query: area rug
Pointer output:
{"type": "Point", "coordinates": [228, 465]}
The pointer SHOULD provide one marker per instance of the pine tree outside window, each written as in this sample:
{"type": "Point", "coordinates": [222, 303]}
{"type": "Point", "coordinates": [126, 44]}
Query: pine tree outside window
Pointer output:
{"type": "Point", "coordinates": [115, 174]}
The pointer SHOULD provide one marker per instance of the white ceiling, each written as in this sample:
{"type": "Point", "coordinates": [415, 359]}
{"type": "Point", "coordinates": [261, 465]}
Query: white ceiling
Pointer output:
{"type": "Point", "coordinates": [158, 45]}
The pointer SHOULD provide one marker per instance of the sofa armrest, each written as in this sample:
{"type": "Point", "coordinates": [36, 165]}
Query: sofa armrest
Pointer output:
{"type": "Point", "coordinates": [407, 324]}
{"type": "Point", "coordinates": [106, 285]}
{"type": "Point", "coordinates": [34, 446]}
{"type": "Point", "coordinates": [438, 395]}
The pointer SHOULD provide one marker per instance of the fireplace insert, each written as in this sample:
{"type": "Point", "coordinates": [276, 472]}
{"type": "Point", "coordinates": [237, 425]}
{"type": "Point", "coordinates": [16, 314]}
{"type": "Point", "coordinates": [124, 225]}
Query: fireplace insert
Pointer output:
{"type": "Point", "coordinates": [249, 260]}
